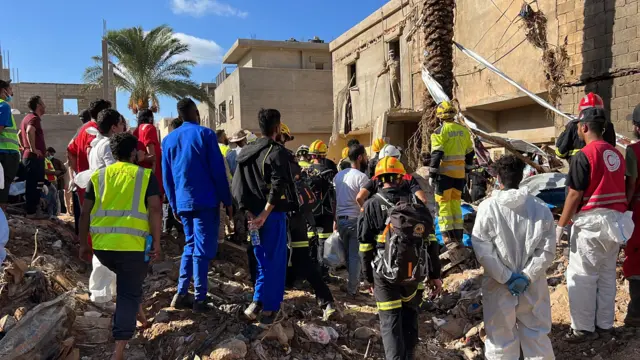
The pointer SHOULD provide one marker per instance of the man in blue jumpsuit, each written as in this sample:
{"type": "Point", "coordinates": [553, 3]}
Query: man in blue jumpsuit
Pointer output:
{"type": "Point", "coordinates": [264, 188]}
{"type": "Point", "coordinates": [195, 183]}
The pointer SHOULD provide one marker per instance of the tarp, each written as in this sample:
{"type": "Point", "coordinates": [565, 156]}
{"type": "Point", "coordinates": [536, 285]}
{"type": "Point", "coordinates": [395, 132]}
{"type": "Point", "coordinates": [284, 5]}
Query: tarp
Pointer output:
{"type": "Point", "coordinates": [547, 181]}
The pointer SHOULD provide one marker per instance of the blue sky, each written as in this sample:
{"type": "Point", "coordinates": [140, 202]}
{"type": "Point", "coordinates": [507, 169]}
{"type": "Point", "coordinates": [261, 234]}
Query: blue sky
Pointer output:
{"type": "Point", "coordinates": [52, 42]}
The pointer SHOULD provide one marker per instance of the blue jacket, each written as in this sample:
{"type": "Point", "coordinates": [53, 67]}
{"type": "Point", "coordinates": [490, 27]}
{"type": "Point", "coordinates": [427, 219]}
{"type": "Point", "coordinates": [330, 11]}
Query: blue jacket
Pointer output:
{"type": "Point", "coordinates": [193, 170]}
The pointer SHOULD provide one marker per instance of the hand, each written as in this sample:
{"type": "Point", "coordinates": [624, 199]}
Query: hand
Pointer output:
{"type": "Point", "coordinates": [519, 286]}
{"type": "Point", "coordinates": [436, 287]}
{"type": "Point", "coordinates": [559, 233]}
{"type": "Point", "coordinates": [156, 251]}
{"type": "Point", "coordinates": [85, 252]}
{"type": "Point", "coordinates": [258, 221]}
{"type": "Point", "coordinates": [335, 226]}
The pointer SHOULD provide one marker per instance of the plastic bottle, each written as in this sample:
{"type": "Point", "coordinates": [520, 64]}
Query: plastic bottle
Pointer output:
{"type": "Point", "coordinates": [254, 234]}
{"type": "Point", "coordinates": [147, 248]}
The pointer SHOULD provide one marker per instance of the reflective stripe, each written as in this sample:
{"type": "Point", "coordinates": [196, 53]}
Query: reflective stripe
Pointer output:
{"type": "Point", "coordinates": [574, 151]}
{"type": "Point", "coordinates": [10, 141]}
{"type": "Point", "coordinates": [299, 244]}
{"type": "Point", "coordinates": [10, 131]}
{"type": "Point", "coordinates": [312, 234]}
{"type": "Point", "coordinates": [432, 238]}
{"type": "Point", "coordinates": [389, 305]}
{"type": "Point", "coordinates": [410, 297]}
{"type": "Point", "coordinates": [381, 238]}
{"type": "Point", "coordinates": [137, 192]}
{"type": "Point", "coordinates": [421, 286]}
{"type": "Point", "coordinates": [602, 196]}
{"type": "Point", "coordinates": [452, 168]}
{"type": "Point", "coordinates": [453, 157]}
{"type": "Point", "coordinates": [324, 235]}
{"type": "Point", "coordinates": [118, 230]}
{"type": "Point", "coordinates": [366, 247]}
{"type": "Point", "coordinates": [607, 202]}
{"type": "Point", "coordinates": [433, 170]}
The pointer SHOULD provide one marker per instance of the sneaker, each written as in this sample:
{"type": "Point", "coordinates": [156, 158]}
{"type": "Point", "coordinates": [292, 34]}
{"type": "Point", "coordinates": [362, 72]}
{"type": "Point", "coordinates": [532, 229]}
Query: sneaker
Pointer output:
{"type": "Point", "coordinates": [182, 301]}
{"type": "Point", "coordinates": [329, 310]}
{"type": "Point", "coordinates": [252, 311]}
{"type": "Point", "coordinates": [578, 336]}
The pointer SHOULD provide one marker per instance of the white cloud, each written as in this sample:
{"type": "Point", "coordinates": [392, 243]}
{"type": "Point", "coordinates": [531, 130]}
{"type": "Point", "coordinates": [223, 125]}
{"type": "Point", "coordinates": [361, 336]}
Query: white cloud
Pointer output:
{"type": "Point", "coordinates": [198, 8]}
{"type": "Point", "coordinates": [205, 52]}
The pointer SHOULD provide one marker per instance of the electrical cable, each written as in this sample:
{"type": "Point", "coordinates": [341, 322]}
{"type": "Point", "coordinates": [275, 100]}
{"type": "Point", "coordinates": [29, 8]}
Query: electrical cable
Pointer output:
{"type": "Point", "coordinates": [495, 23]}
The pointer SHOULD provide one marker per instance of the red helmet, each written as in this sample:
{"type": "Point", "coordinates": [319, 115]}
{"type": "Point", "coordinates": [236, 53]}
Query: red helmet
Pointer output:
{"type": "Point", "coordinates": [591, 100]}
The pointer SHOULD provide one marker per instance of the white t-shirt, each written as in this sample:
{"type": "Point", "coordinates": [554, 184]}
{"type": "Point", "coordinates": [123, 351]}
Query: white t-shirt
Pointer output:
{"type": "Point", "coordinates": [348, 183]}
{"type": "Point", "coordinates": [100, 155]}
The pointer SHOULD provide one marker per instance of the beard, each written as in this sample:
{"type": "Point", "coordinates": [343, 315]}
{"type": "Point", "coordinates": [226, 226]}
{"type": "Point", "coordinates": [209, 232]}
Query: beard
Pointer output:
{"type": "Point", "coordinates": [363, 166]}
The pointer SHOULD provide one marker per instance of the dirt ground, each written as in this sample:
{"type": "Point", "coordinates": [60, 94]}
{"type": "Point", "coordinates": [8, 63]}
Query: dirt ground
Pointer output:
{"type": "Point", "coordinates": [453, 328]}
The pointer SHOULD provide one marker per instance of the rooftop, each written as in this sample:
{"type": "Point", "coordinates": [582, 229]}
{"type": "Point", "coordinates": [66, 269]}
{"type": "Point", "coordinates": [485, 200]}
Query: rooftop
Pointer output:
{"type": "Point", "coordinates": [242, 46]}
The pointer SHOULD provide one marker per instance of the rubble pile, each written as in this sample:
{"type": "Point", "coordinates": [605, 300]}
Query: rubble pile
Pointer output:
{"type": "Point", "coordinates": [45, 312]}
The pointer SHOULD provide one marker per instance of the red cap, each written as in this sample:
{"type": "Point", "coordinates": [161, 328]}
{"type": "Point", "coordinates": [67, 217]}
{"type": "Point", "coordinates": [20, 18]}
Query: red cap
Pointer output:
{"type": "Point", "coordinates": [591, 100]}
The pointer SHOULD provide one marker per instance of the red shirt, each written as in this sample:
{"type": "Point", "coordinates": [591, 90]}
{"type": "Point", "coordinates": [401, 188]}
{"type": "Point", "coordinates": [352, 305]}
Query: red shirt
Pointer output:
{"type": "Point", "coordinates": [79, 145]}
{"type": "Point", "coordinates": [148, 135]}
{"type": "Point", "coordinates": [33, 120]}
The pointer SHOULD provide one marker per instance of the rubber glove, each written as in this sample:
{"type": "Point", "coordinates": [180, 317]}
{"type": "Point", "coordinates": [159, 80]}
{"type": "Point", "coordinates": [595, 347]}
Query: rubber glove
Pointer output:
{"type": "Point", "coordinates": [559, 232]}
{"type": "Point", "coordinates": [514, 277]}
{"type": "Point", "coordinates": [519, 285]}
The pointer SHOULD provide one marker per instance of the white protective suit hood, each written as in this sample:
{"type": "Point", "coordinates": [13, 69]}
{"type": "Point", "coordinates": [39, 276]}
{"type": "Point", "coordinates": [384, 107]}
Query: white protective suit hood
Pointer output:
{"type": "Point", "coordinates": [525, 240]}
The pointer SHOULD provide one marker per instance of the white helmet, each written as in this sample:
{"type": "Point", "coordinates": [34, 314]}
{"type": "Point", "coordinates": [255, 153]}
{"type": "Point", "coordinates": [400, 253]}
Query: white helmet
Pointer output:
{"type": "Point", "coordinates": [251, 137]}
{"type": "Point", "coordinates": [389, 150]}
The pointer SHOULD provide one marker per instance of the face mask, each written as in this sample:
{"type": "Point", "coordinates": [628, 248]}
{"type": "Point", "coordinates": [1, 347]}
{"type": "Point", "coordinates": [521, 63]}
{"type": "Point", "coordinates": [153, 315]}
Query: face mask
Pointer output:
{"type": "Point", "coordinates": [9, 98]}
{"type": "Point", "coordinates": [50, 157]}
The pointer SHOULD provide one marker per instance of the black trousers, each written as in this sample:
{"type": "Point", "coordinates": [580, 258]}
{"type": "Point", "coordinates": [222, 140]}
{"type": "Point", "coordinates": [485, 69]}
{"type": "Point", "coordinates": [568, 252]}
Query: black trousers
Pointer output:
{"type": "Point", "coordinates": [75, 199]}
{"type": "Point", "coordinates": [301, 260]}
{"type": "Point", "coordinates": [633, 310]}
{"type": "Point", "coordinates": [35, 181]}
{"type": "Point", "coordinates": [63, 207]}
{"type": "Point", "coordinates": [324, 228]}
{"type": "Point", "coordinates": [398, 312]}
{"type": "Point", "coordinates": [130, 269]}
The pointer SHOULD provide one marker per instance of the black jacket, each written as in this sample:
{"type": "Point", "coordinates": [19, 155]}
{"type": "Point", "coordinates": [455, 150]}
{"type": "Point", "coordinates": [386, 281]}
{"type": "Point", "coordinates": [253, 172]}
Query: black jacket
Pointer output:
{"type": "Point", "coordinates": [568, 143]}
{"type": "Point", "coordinates": [371, 168]}
{"type": "Point", "coordinates": [372, 222]}
{"type": "Point", "coordinates": [264, 175]}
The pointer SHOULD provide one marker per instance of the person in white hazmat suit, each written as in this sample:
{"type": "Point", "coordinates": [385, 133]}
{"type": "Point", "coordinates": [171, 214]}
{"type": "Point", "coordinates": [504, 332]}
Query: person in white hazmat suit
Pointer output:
{"type": "Point", "coordinates": [597, 204]}
{"type": "Point", "coordinates": [514, 240]}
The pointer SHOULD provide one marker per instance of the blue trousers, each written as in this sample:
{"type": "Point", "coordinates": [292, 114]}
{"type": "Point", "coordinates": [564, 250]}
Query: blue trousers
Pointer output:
{"type": "Point", "coordinates": [201, 244]}
{"type": "Point", "coordinates": [272, 262]}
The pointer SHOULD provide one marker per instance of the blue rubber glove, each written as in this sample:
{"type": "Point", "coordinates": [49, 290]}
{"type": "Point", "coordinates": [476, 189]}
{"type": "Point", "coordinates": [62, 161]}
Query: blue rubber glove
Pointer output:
{"type": "Point", "coordinates": [519, 285]}
{"type": "Point", "coordinates": [513, 277]}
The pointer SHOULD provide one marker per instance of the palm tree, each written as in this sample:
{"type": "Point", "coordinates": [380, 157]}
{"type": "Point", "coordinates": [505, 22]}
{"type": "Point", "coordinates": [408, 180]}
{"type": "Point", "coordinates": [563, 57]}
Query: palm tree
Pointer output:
{"type": "Point", "coordinates": [438, 43]}
{"type": "Point", "coordinates": [145, 65]}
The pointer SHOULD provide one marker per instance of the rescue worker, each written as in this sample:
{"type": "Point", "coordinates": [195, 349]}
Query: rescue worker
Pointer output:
{"type": "Point", "coordinates": [304, 160]}
{"type": "Point", "coordinates": [478, 180]}
{"type": "Point", "coordinates": [344, 159]}
{"type": "Point", "coordinates": [320, 176]}
{"type": "Point", "coordinates": [409, 182]}
{"type": "Point", "coordinates": [266, 192]}
{"type": "Point", "coordinates": [9, 142]}
{"type": "Point", "coordinates": [301, 227]}
{"type": "Point", "coordinates": [195, 184]}
{"type": "Point", "coordinates": [631, 265]}
{"type": "Point", "coordinates": [514, 241]}
{"type": "Point", "coordinates": [377, 145]}
{"type": "Point", "coordinates": [122, 207]}
{"type": "Point", "coordinates": [596, 196]}
{"type": "Point", "coordinates": [451, 158]}
{"type": "Point", "coordinates": [397, 302]}
{"type": "Point", "coordinates": [569, 143]}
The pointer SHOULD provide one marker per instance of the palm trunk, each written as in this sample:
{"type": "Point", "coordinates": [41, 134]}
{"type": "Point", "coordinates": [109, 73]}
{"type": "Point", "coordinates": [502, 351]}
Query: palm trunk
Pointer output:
{"type": "Point", "coordinates": [438, 43]}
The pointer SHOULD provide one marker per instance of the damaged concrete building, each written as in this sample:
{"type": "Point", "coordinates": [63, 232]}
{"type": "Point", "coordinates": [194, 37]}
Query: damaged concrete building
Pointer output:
{"type": "Point", "coordinates": [600, 38]}
{"type": "Point", "coordinates": [291, 76]}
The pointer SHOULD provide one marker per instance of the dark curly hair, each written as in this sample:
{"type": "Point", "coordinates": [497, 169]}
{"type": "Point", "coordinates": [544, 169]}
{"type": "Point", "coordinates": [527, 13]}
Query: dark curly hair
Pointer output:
{"type": "Point", "coordinates": [123, 145]}
{"type": "Point", "coordinates": [106, 119]}
{"type": "Point", "coordinates": [33, 102]}
{"type": "Point", "coordinates": [145, 117]}
{"type": "Point", "coordinates": [176, 123]}
{"type": "Point", "coordinates": [509, 168]}
{"type": "Point", "coordinates": [98, 105]}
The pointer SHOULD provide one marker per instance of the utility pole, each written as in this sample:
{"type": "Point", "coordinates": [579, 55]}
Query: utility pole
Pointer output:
{"type": "Point", "coordinates": [105, 62]}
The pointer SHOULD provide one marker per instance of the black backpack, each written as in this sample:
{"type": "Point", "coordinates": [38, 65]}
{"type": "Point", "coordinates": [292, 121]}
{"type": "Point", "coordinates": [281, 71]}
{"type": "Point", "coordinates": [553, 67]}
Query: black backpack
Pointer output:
{"type": "Point", "coordinates": [405, 256]}
{"type": "Point", "coordinates": [320, 181]}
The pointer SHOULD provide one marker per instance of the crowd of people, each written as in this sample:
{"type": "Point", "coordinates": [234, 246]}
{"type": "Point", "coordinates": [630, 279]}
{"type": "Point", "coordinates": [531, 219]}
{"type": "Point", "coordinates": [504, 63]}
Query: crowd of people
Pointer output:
{"type": "Point", "coordinates": [290, 208]}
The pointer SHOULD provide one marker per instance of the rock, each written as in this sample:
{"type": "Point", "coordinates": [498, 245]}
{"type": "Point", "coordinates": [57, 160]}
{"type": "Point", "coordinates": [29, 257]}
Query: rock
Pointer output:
{"type": "Point", "coordinates": [19, 313]}
{"type": "Point", "coordinates": [454, 327]}
{"type": "Point", "coordinates": [319, 334]}
{"type": "Point", "coordinates": [161, 317]}
{"type": "Point", "coordinates": [93, 314]}
{"type": "Point", "coordinates": [240, 274]}
{"type": "Point", "coordinates": [93, 330]}
{"type": "Point", "coordinates": [280, 332]}
{"type": "Point", "coordinates": [57, 244]}
{"type": "Point", "coordinates": [554, 281]}
{"type": "Point", "coordinates": [364, 333]}
{"type": "Point", "coordinates": [231, 349]}
{"type": "Point", "coordinates": [164, 267]}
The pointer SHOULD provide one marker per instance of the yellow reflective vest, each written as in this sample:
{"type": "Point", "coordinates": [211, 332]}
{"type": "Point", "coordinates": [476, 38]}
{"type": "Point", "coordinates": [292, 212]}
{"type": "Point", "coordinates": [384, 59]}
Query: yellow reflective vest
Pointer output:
{"type": "Point", "coordinates": [454, 140]}
{"type": "Point", "coordinates": [9, 136]}
{"type": "Point", "coordinates": [304, 164]}
{"type": "Point", "coordinates": [119, 218]}
{"type": "Point", "coordinates": [48, 165]}
{"type": "Point", "coordinates": [224, 149]}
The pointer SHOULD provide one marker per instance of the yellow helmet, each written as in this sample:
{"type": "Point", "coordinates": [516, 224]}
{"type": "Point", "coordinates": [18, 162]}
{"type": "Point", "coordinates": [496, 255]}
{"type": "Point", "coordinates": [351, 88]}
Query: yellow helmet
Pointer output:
{"type": "Point", "coordinates": [378, 144]}
{"type": "Point", "coordinates": [318, 147]}
{"type": "Point", "coordinates": [445, 111]}
{"type": "Point", "coordinates": [389, 165]}
{"type": "Point", "coordinates": [345, 152]}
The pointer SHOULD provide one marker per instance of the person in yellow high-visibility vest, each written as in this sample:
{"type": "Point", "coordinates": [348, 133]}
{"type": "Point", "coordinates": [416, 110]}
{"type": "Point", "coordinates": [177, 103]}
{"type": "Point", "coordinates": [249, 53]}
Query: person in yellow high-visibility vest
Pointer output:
{"type": "Point", "coordinates": [9, 144]}
{"type": "Point", "coordinates": [451, 158]}
{"type": "Point", "coordinates": [122, 207]}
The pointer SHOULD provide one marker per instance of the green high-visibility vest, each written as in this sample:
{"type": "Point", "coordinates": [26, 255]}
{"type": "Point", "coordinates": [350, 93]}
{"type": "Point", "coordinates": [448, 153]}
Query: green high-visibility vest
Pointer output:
{"type": "Point", "coordinates": [9, 136]}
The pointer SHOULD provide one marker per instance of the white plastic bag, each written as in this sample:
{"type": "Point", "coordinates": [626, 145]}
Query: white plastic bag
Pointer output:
{"type": "Point", "coordinates": [334, 255]}
{"type": "Point", "coordinates": [102, 282]}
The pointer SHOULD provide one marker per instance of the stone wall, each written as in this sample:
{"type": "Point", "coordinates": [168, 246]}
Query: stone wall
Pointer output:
{"type": "Point", "coordinates": [53, 95]}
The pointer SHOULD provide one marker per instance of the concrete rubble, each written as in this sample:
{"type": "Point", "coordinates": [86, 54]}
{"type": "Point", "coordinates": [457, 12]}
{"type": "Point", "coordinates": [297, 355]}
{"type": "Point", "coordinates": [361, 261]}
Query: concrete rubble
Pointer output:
{"type": "Point", "coordinates": [451, 327]}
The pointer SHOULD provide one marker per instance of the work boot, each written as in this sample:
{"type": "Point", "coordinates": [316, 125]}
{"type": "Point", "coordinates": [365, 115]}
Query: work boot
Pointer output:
{"type": "Point", "coordinates": [329, 310]}
{"type": "Point", "coordinates": [182, 301]}
{"type": "Point", "coordinates": [267, 319]}
{"type": "Point", "coordinates": [579, 336]}
{"type": "Point", "coordinates": [202, 306]}
{"type": "Point", "coordinates": [253, 310]}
